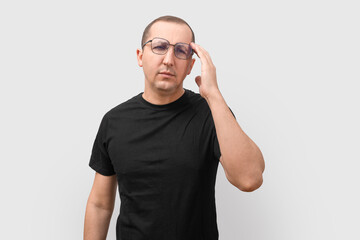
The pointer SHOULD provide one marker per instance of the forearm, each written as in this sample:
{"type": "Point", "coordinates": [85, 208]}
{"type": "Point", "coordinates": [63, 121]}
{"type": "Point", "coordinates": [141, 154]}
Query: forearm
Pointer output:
{"type": "Point", "coordinates": [97, 222]}
{"type": "Point", "coordinates": [242, 159]}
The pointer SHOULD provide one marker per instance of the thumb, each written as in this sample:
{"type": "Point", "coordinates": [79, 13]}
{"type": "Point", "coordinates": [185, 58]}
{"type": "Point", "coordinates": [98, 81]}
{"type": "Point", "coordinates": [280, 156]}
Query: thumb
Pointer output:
{"type": "Point", "coordinates": [198, 80]}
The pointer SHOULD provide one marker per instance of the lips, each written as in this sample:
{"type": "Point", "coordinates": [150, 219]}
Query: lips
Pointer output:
{"type": "Point", "coordinates": [167, 73]}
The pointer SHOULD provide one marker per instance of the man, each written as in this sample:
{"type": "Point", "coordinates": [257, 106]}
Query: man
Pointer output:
{"type": "Point", "coordinates": [162, 147]}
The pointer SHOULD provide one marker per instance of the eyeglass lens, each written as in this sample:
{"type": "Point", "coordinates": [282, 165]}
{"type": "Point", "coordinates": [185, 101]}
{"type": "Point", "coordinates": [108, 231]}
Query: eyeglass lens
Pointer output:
{"type": "Point", "coordinates": [160, 46]}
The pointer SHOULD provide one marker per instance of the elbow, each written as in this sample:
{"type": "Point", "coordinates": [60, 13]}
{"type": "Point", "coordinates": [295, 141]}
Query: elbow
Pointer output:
{"type": "Point", "coordinates": [249, 184]}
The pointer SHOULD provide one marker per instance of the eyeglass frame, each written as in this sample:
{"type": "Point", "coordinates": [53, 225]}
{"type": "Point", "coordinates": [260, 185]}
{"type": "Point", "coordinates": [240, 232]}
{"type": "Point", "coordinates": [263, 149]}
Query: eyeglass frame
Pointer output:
{"type": "Point", "coordinates": [192, 50]}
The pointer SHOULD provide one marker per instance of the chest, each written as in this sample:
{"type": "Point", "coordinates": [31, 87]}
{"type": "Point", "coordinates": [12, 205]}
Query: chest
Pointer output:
{"type": "Point", "coordinates": [156, 147]}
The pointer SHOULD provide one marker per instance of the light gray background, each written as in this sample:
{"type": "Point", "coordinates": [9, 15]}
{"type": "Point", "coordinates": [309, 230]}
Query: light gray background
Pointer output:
{"type": "Point", "coordinates": [289, 70]}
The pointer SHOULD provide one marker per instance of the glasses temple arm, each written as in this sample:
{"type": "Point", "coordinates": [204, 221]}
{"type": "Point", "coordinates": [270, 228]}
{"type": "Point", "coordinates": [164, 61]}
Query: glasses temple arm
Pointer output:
{"type": "Point", "coordinates": [145, 44]}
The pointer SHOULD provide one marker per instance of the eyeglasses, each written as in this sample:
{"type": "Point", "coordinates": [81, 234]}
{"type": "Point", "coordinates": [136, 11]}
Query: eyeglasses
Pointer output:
{"type": "Point", "coordinates": [160, 46]}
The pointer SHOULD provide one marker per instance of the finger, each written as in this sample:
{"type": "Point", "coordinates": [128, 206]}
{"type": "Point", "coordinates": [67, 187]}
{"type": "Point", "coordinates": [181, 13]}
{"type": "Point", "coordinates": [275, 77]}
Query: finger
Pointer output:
{"type": "Point", "coordinates": [198, 80]}
{"type": "Point", "coordinates": [196, 50]}
{"type": "Point", "coordinates": [206, 54]}
{"type": "Point", "coordinates": [201, 53]}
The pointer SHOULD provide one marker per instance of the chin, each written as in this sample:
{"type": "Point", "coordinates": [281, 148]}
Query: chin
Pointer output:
{"type": "Point", "coordinates": [166, 86]}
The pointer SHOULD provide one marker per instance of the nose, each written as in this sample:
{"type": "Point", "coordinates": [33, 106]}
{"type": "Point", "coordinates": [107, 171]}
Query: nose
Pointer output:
{"type": "Point", "coordinates": [169, 56]}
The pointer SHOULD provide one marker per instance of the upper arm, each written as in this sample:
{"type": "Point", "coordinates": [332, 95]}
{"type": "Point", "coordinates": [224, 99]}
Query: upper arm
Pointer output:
{"type": "Point", "coordinates": [222, 163]}
{"type": "Point", "coordinates": [103, 191]}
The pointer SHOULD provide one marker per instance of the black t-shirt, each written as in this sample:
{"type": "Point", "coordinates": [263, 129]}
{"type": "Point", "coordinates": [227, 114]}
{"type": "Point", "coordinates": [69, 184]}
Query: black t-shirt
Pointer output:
{"type": "Point", "coordinates": [165, 158]}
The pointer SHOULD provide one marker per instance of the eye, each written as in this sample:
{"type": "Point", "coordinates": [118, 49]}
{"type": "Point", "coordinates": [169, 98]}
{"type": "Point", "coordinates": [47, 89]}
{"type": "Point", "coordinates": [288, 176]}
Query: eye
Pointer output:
{"type": "Point", "coordinates": [160, 47]}
{"type": "Point", "coordinates": [181, 49]}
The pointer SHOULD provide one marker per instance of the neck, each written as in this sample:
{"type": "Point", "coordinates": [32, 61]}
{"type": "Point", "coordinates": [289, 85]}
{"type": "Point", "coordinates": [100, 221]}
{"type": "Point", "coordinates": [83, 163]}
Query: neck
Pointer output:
{"type": "Point", "coordinates": [161, 97]}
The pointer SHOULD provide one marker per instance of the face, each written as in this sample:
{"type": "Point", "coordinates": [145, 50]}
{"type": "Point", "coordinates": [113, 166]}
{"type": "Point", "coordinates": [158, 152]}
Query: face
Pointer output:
{"type": "Point", "coordinates": [153, 64]}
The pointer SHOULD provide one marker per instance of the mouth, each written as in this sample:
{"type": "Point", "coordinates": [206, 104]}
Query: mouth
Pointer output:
{"type": "Point", "coordinates": [167, 74]}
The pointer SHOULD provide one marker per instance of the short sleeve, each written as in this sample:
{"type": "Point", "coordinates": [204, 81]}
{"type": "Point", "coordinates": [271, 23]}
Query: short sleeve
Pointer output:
{"type": "Point", "coordinates": [216, 148]}
{"type": "Point", "coordinates": [100, 160]}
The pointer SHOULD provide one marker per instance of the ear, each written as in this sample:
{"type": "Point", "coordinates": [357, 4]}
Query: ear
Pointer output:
{"type": "Point", "coordinates": [139, 54]}
{"type": "Point", "coordinates": [190, 66]}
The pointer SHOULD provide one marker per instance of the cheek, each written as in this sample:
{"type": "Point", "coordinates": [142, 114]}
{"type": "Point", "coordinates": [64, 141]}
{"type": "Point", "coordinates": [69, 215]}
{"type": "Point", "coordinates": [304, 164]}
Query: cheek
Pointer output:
{"type": "Point", "coordinates": [184, 70]}
{"type": "Point", "coordinates": [149, 68]}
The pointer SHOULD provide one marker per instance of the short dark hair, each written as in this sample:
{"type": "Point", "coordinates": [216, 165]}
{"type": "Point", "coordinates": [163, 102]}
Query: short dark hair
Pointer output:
{"type": "Point", "coordinates": [166, 18]}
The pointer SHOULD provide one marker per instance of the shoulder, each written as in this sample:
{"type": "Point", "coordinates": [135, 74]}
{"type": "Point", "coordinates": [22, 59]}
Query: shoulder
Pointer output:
{"type": "Point", "coordinates": [122, 107]}
{"type": "Point", "coordinates": [197, 100]}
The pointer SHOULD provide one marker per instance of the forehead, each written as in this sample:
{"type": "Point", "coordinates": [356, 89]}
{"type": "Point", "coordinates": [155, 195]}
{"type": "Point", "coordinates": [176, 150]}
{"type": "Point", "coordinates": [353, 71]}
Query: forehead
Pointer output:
{"type": "Point", "coordinates": [173, 32]}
